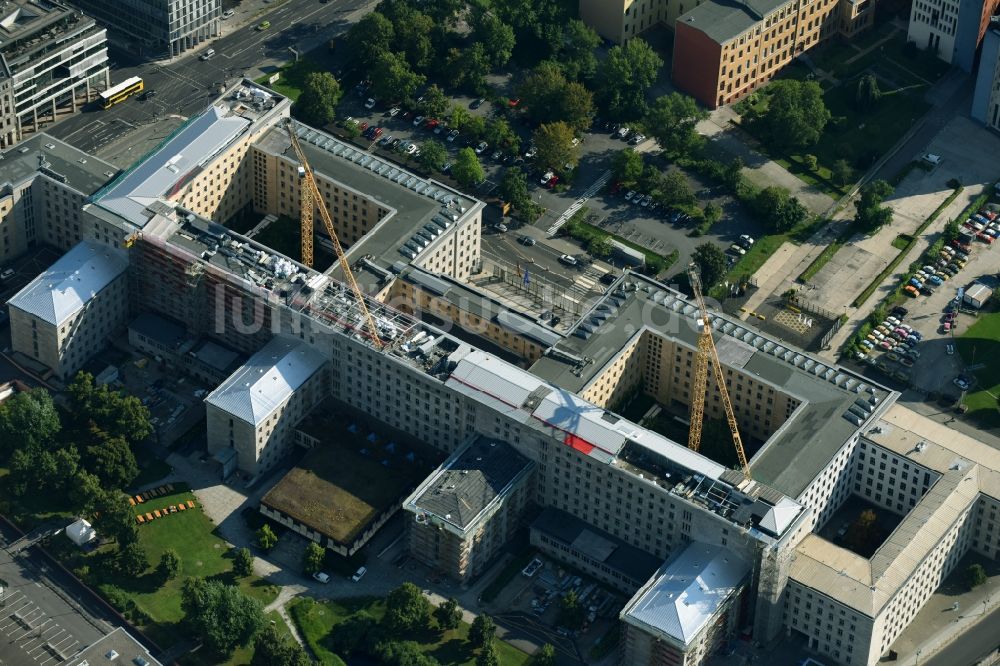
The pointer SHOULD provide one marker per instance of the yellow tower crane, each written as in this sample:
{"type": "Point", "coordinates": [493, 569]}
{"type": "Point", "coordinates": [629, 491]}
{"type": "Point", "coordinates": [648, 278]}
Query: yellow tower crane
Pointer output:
{"type": "Point", "coordinates": [312, 199]}
{"type": "Point", "coordinates": [706, 353]}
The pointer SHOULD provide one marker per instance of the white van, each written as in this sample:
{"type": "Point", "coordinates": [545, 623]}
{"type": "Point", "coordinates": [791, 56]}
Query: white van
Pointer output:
{"type": "Point", "coordinates": [208, 55]}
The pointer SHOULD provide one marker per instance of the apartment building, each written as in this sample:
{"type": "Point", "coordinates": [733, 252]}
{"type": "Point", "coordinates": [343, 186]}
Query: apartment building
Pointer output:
{"type": "Point", "coordinates": [256, 409]}
{"type": "Point", "coordinates": [986, 98]}
{"type": "Point", "coordinates": [687, 609]}
{"type": "Point", "coordinates": [157, 28]}
{"type": "Point", "coordinates": [468, 509]}
{"type": "Point", "coordinates": [67, 314]}
{"type": "Point", "coordinates": [53, 60]}
{"type": "Point", "coordinates": [951, 29]}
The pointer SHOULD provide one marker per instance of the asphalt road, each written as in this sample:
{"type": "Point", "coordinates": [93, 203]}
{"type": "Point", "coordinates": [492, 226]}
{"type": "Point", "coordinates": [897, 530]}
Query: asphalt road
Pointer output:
{"type": "Point", "coordinates": [183, 88]}
{"type": "Point", "coordinates": [973, 644]}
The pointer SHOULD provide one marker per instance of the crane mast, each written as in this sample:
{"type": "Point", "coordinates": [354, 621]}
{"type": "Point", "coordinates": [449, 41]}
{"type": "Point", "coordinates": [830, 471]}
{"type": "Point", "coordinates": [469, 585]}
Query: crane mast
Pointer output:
{"type": "Point", "coordinates": [707, 352]}
{"type": "Point", "coordinates": [311, 198]}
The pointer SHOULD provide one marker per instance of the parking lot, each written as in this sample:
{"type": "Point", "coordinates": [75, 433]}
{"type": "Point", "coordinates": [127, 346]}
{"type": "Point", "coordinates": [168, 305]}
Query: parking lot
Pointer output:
{"type": "Point", "coordinates": [938, 366]}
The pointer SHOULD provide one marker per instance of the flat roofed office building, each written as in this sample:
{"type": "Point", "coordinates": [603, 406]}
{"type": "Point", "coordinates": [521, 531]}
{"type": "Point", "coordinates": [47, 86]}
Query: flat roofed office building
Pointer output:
{"type": "Point", "coordinates": [158, 27]}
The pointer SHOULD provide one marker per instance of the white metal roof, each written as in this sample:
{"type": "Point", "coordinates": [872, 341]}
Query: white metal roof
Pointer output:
{"type": "Point", "coordinates": [173, 164]}
{"type": "Point", "coordinates": [267, 379]}
{"type": "Point", "coordinates": [684, 595]}
{"type": "Point", "coordinates": [70, 283]}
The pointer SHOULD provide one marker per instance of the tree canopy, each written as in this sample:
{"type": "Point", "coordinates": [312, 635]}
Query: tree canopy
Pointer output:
{"type": "Point", "coordinates": [243, 562]}
{"type": "Point", "coordinates": [627, 166]}
{"type": "Point", "coordinates": [778, 209]}
{"type": "Point", "coordinates": [711, 263]}
{"type": "Point", "coordinates": [625, 76]}
{"type": "Point", "coordinates": [313, 558]}
{"type": "Point", "coordinates": [433, 155]}
{"type": "Point", "coordinates": [548, 96]}
{"type": "Point", "coordinates": [870, 214]}
{"type": "Point", "coordinates": [114, 413]}
{"type": "Point", "coordinates": [671, 121]}
{"type": "Point", "coordinates": [266, 538]}
{"type": "Point", "coordinates": [496, 36]}
{"type": "Point", "coordinates": [406, 609]}
{"type": "Point", "coordinates": [796, 114]}
{"type": "Point", "coordinates": [467, 170]}
{"type": "Point", "coordinates": [28, 419]}
{"type": "Point", "coordinates": [220, 615]}
{"type": "Point", "coordinates": [369, 38]}
{"type": "Point", "coordinates": [392, 77]}
{"type": "Point", "coordinates": [483, 630]}
{"type": "Point", "coordinates": [317, 105]}
{"type": "Point", "coordinates": [554, 142]}
{"type": "Point", "coordinates": [448, 615]}
{"type": "Point", "coordinates": [272, 648]}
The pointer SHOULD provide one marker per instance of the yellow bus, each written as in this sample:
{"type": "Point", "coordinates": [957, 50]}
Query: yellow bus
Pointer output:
{"type": "Point", "coordinates": [120, 92]}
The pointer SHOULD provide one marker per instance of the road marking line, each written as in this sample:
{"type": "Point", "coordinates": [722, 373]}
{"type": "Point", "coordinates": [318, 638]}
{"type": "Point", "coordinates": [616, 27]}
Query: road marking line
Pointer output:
{"type": "Point", "coordinates": [578, 204]}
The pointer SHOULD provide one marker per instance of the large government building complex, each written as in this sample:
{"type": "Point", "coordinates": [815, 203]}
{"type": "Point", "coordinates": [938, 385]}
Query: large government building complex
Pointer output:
{"type": "Point", "coordinates": [521, 413]}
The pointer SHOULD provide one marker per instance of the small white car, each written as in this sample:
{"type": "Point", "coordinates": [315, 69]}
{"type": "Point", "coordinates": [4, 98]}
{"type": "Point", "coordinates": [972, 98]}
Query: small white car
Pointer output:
{"type": "Point", "coordinates": [321, 577]}
{"type": "Point", "coordinates": [359, 574]}
{"type": "Point", "coordinates": [568, 259]}
{"type": "Point", "coordinates": [370, 104]}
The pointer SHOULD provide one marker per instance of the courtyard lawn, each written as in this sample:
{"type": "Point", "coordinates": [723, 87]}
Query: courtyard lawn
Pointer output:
{"type": "Point", "coordinates": [316, 619]}
{"type": "Point", "coordinates": [980, 345]}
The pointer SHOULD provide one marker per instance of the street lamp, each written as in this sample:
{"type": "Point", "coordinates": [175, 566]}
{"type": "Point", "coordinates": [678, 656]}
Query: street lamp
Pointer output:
{"type": "Point", "coordinates": [917, 663]}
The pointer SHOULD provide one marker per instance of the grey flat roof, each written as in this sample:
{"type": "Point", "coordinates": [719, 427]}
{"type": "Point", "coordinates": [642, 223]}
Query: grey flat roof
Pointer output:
{"type": "Point", "coordinates": [116, 647]}
{"type": "Point", "coordinates": [635, 563]}
{"type": "Point", "coordinates": [55, 159]}
{"type": "Point", "coordinates": [160, 329]}
{"type": "Point", "coordinates": [687, 592]}
{"type": "Point", "coordinates": [413, 200]}
{"type": "Point", "coordinates": [267, 379]}
{"type": "Point", "coordinates": [807, 441]}
{"type": "Point", "coordinates": [723, 20]}
{"type": "Point", "coordinates": [63, 288]}
{"type": "Point", "coordinates": [472, 479]}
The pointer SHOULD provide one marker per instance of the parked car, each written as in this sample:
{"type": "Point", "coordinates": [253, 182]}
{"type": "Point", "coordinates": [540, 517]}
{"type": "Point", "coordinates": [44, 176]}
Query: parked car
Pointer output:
{"type": "Point", "coordinates": [321, 577]}
{"type": "Point", "coordinates": [452, 135]}
{"type": "Point", "coordinates": [393, 112]}
{"type": "Point", "coordinates": [526, 240]}
{"type": "Point", "coordinates": [481, 147]}
{"type": "Point", "coordinates": [359, 574]}
{"type": "Point", "coordinates": [549, 175]}
{"type": "Point", "coordinates": [370, 104]}
{"type": "Point", "coordinates": [476, 103]}
{"type": "Point", "coordinates": [417, 121]}
{"type": "Point", "coordinates": [568, 259]}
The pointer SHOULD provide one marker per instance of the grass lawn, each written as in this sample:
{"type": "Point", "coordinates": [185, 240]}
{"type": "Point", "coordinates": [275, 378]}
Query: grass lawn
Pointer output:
{"type": "Point", "coordinates": [316, 619]}
{"type": "Point", "coordinates": [981, 345]}
{"type": "Point", "coordinates": [292, 77]}
{"type": "Point", "coordinates": [902, 241]}
{"type": "Point", "coordinates": [203, 555]}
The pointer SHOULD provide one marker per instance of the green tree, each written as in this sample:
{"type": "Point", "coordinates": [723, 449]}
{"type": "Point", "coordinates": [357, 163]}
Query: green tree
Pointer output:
{"type": "Point", "coordinates": [358, 632]}
{"type": "Point", "coordinates": [778, 209]}
{"type": "Point", "coordinates": [841, 172]}
{"type": "Point", "coordinates": [448, 614]}
{"type": "Point", "coordinates": [369, 38]}
{"type": "Point", "coordinates": [496, 37]}
{"type": "Point", "coordinates": [627, 166]}
{"type": "Point", "coordinates": [482, 631]}
{"type": "Point", "coordinates": [488, 655]}
{"type": "Point", "coordinates": [546, 656]}
{"type": "Point", "coordinates": [220, 615]}
{"type": "Point", "coordinates": [475, 127]}
{"type": "Point", "coordinates": [313, 558]}
{"type": "Point", "coordinates": [600, 246]}
{"type": "Point", "coordinates": [867, 93]}
{"type": "Point", "coordinates": [433, 155]}
{"type": "Point", "coordinates": [111, 460]}
{"type": "Point", "coordinates": [712, 212]}
{"type": "Point", "coordinates": [27, 419]}
{"type": "Point", "coordinates": [467, 170]}
{"type": "Point", "coordinates": [435, 103]}
{"type": "Point", "coordinates": [458, 117]}
{"type": "Point", "coordinates": [413, 33]}
{"type": "Point", "coordinates": [554, 142]}
{"type": "Point", "coordinates": [514, 188]}
{"type": "Point", "coordinates": [625, 76]}
{"type": "Point", "coordinates": [406, 609]}
{"type": "Point", "coordinates": [548, 97]}
{"type": "Point", "coordinates": [317, 105]}
{"type": "Point", "coordinates": [114, 413]}
{"type": "Point", "coordinates": [131, 559]}
{"type": "Point", "coordinates": [83, 490]}
{"type": "Point", "coordinates": [673, 189]}
{"type": "Point", "coordinates": [796, 114]}
{"type": "Point", "coordinates": [576, 57]}
{"type": "Point", "coordinates": [402, 653]}
{"type": "Point", "coordinates": [170, 564]}
{"type": "Point", "coordinates": [869, 214]}
{"type": "Point", "coordinates": [272, 648]}
{"type": "Point", "coordinates": [266, 538]}
{"type": "Point", "coordinates": [810, 162]}
{"type": "Point", "coordinates": [711, 264]}
{"type": "Point", "coordinates": [392, 77]}
{"type": "Point", "coordinates": [975, 575]}
{"type": "Point", "coordinates": [500, 134]}
{"type": "Point", "coordinates": [113, 518]}
{"type": "Point", "coordinates": [671, 121]}
{"type": "Point", "coordinates": [243, 562]}
{"type": "Point", "coordinates": [571, 613]}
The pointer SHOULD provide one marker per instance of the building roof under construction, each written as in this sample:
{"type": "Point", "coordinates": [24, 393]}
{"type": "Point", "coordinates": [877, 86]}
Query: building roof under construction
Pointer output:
{"type": "Point", "coordinates": [801, 447]}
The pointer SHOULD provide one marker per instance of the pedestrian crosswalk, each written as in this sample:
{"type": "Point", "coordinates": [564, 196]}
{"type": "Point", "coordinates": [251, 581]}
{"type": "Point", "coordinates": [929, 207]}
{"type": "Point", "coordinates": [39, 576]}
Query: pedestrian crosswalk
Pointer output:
{"type": "Point", "coordinates": [578, 204]}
